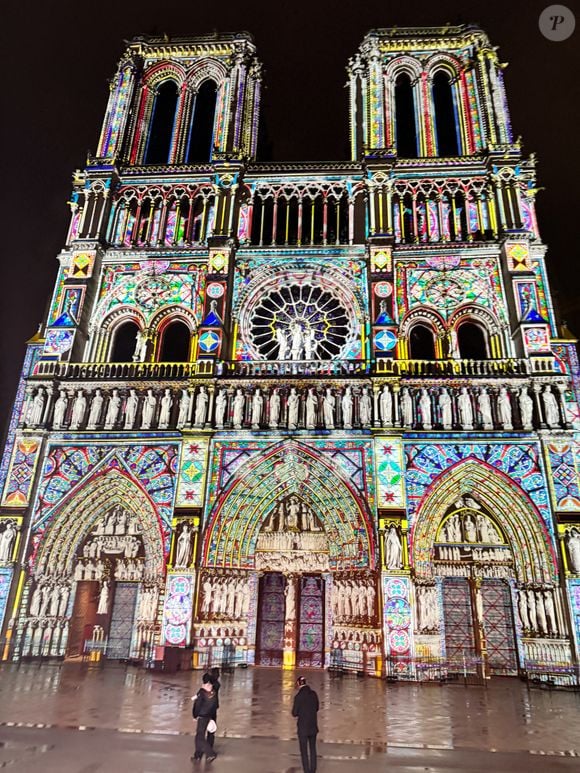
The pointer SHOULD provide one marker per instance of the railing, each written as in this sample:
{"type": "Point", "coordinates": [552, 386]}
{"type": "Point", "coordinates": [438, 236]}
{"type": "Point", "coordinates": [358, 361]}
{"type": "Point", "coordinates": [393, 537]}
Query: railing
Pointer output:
{"type": "Point", "coordinates": [506, 366]}
{"type": "Point", "coordinates": [299, 368]}
{"type": "Point", "coordinates": [118, 371]}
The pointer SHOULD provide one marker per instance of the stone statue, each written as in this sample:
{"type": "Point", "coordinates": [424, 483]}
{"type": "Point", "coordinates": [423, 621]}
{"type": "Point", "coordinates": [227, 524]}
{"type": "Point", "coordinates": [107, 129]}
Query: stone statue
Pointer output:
{"type": "Point", "coordinates": [7, 538]}
{"type": "Point", "coordinates": [201, 404]}
{"type": "Point", "coordinates": [113, 409]}
{"type": "Point", "coordinates": [78, 410]}
{"type": "Point", "coordinates": [365, 408]}
{"type": "Point", "coordinates": [469, 529]}
{"type": "Point", "coordinates": [386, 406]}
{"type": "Point", "coordinates": [541, 613]}
{"type": "Point", "coordinates": [54, 601]}
{"type": "Point", "coordinates": [239, 401]}
{"type": "Point", "coordinates": [523, 609]}
{"type": "Point", "coordinates": [165, 412]}
{"type": "Point", "coordinates": [292, 513]}
{"type": "Point", "coordinates": [257, 406]}
{"type": "Point", "coordinates": [346, 405]}
{"type": "Point", "coordinates": [310, 344]}
{"type": "Point", "coordinates": [141, 341]}
{"type": "Point", "coordinates": [446, 409]}
{"type": "Point", "coordinates": [35, 602]}
{"type": "Point", "coordinates": [64, 597]}
{"type": "Point", "coordinates": [465, 409]}
{"type": "Point", "coordinates": [483, 528]}
{"type": "Point", "coordinates": [131, 409]}
{"type": "Point", "coordinates": [37, 409]}
{"type": "Point", "coordinates": [573, 544]}
{"type": "Point", "coordinates": [221, 404]}
{"type": "Point", "coordinates": [550, 612]}
{"type": "Point", "coordinates": [60, 410]}
{"type": "Point", "coordinates": [282, 344]}
{"type": "Point", "coordinates": [95, 411]}
{"type": "Point", "coordinates": [328, 406]}
{"type": "Point", "coordinates": [504, 408]}
{"type": "Point", "coordinates": [406, 408]}
{"type": "Point", "coordinates": [297, 340]}
{"type": "Point", "coordinates": [311, 406]}
{"type": "Point", "coordinates": [184, 406]}
{"type": "Point", "coordinates": [551, 407]}
{"type": "Point", "coordinates": [183, 557]}
{"type": "Point", "coordinates": [103, 605]}
{"type": "Point", "coordinates": [425, 408]}
{"type": "Point", "coordinates": [148, 413]}
{"type": "Point", "coordinates": [526, 408]}
{"type": "Point", "coordinates": [484, 406]}
{"type": "Point", "coordinates": [532, 609]}
{"type": "Point", "coordinates": [293, 407]}
{"type": "Point", "coordinates": [290, 593]}
{"type": "Point", "coordinates": [274, 409]}
{"type": "Point", "coordinates": [393, 549]}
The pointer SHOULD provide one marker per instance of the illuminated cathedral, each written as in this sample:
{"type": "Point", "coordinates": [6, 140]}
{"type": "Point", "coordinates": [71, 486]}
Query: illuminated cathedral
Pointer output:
{"type": "Point", "coordinates": [313, 414]}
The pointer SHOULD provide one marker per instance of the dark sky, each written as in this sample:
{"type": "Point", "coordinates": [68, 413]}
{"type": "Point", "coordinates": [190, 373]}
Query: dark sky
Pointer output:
{"type": "Point", "coordinates": [58, 57]}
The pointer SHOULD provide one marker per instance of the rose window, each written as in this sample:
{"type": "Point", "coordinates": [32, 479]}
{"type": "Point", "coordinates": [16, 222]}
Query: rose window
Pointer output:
{"type": "Point", "coordinates": [301, 322]}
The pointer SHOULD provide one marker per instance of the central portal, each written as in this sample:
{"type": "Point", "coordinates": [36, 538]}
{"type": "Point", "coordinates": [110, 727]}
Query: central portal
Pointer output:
{"type": "Point", "coordinates": [290, 630]}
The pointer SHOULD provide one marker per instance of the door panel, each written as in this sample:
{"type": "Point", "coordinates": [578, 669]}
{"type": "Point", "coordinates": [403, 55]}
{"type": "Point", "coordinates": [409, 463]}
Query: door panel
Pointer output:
{"type": "Point", "coordinates": [270, 639]}
{"type": "Point", "coordinates": [311, 623]}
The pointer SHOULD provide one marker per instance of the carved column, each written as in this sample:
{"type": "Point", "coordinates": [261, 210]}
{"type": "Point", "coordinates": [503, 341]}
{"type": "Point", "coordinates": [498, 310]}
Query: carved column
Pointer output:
{"type": "Point", "coordinates": [290, 622]}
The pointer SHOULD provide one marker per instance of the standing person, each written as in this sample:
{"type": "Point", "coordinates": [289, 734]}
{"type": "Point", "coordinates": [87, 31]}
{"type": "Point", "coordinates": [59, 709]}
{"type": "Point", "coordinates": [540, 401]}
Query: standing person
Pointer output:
{"type": "Point", "coordinates": [305, 709]}
{"type": "Point", "coordinates": [204, 709]}
{"type": "Point", "coordinates": [214, 677]}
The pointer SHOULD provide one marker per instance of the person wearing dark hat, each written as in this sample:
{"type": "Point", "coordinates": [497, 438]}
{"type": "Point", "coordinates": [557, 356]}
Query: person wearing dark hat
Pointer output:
{"type": "Point", "coordinates": [204, 709]}
{"type": "Point", "coordinates": [305, 709]}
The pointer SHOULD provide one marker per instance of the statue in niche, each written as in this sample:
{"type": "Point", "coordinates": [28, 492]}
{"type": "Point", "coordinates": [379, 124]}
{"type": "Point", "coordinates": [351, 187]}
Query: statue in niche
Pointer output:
{"type": "Point", "coordinates": [425, 408]}
{"type": "Point", "coordinates": [310, 344]}
{"type": "Point", "coordinates": [346, 405]}
{"type": "Point", "coordinates": [7, 538]}
{"type": "Point", "coordinates": [201, 404]}
{"type": "Point", "coordinates": [532, 610]}
{"type": "Point", "coordinates": [526, 408]}
{"type": "Point", "coordinates": [292, 514]}
{"type": "Point", "coordinates": [63, 602]}
{"type": "Point", "coordinates": [36, 601]}
{"type": "Point", "coordinates": [141, 345]}
{"type": "Point", "coordinates": [523, 609]}
{"type": "Point", "coordinates": [221, 404]}
{"type": "Point", "coordinates": [282, 343]}
{"type": "Point", "coordinates": [95, 411]}
{"type": "Point", "coordinates": [328, 406]}
{"type": "Point", "coordinates": [165, 412]}
{"type": "Point", "coordinates": [297, 340]}
{"type": "Point", "coordinates": [484, 406]}
{"type": "Point", "coordinates": [453, 529]}
{"type": "Point", "coordinates": [393, 549]}
{"type": "Point", "coordinates": [445, 408]}
{"type": "Point", "coordinates": [465, 409]}
{"type": "Point", "coordinates": [365, 408]}
{"type": "Point", "coordinates": [131, 409]}
{"type": "Point", "coordinates": [551, 407]}
{"type": "Point", "coordinates": [573, 544]}
{"type": "Point", "coordinates": [184, 406]}
{"type": "Point", "coordinates": [257, 407]}
{"type": "Point", "coordinates": [60, 410]}
{"type": "Point", "coordinates": [311, 406]}
{"type": "Point", "coordinates": [293, 406]}
{"type": "Point", "coordinates": [541, 613]}
{"type": "Point", "coordinates": [103, 605]}
{"type": "Point", "coordinates": [469, 530]}
{"type": "Point", "coordinates": [406, 408]}
{"type": "Point", "coordinates": [78, 410]}
{"type": "Point", "coordinates": [113, 409]}
{"type": "Point", "coordinates": [37, 409]}
{"type": "Point", "coordinates": [550, 612]}
{"type": "Point", "coordinates": [183, 556]}
{"type": "Point", "coordinates": [149, 406]}
{"type": "Point", "coordinates": [504, 409]}
{"type": "Point", "coordinates": [483, 528]}
{"type": "Point", "coordinates": [386, 406]}
{"type": "Point", "coordinates": [54, 601]}
{"type": "Point", "coordinates": [290, 594]}
{"type": "Point", "coordinates": [239, 401]}
{"type": "Point", "coordinates": [308, 520]}
{"type": "Point", "coordinates": [274, 407]}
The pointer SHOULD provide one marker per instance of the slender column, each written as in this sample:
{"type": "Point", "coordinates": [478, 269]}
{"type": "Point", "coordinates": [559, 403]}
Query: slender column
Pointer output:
{"type": "Point", "coordinates": [275, 220]}
{"type": "Point", "coordinates": [231, 199]}
{"type": "Point", "coordinates": [287, 224]}
{"type": "Point", "coordinates": [300, 205]}
{"type": "Point", "coordinates": [162, 223]}
{"type": "Point", "coordinates": [562, 405]}
{"type": "Point", "coordinates": [396, 413]}
{"type": "Point", "coordinates": [381, 210]}
{"type": "Point", "coordinates": [324, 220]}
{"type": "Point", "coordinates": [202, 233]}
{"type": "Point", "coordinates": [415, 226]}
{"type": "Point", "coordinates": [536, 393]}
{"type": "Point", "coordinates": [372, 208]}
{"type": "Point", "coordinates": [351, 220]}
{"type": "Point", "coordinates": [250, 218]}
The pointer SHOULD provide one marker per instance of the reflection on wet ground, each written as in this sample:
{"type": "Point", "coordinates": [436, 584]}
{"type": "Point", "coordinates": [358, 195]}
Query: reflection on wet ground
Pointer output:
{"type": "Point", "coordinates": [507, 716]}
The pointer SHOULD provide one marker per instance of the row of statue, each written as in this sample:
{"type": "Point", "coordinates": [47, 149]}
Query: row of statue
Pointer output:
{"type": "Point", "coordinates": [445, 553]}
{"type": "Point", "coordinates": [226, 597]}
{"type": "Point", "coordinates": [291, 515]}
{"type": "Point", "coordinates": [148, 603]}
{"type": "Point", "coordinates": [49, 599]}
{"type": "Point", "coordinates": [129, 570]}
{"type": "Point", "coordinates": [127, 545]}
{"type": "Point", "coordinates": [354, 638]}
{"type": "Point", "coordinates": [310, 408]}
{"type": "Point", "coordinates": [87, 569]}
{"type": "Point", "coordinates": [353, 601]}
{"type": "Point", "coordinates": [537, 612]}
{"type": "Point", "coordinates": [469, 526]}
{"type": "Point", "coordinates": [218, 631]}
{"type": "Point", "coordinates": [117, 521]}
{"type": "Point", "coordinates": [293, 561]}
{"type": "Point", "coordinates": [9, 529]}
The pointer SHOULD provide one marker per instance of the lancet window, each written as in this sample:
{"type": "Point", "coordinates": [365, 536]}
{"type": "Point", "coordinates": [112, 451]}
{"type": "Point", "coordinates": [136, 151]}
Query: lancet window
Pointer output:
{"type": "Point", "coordinates": [161, 125]}
{"type": "Point", "coordinates": [405, 118]}
{"type": "Point", "coordinates": [447, 134]}
{"type": "Point", "coordinates": [200, 139]}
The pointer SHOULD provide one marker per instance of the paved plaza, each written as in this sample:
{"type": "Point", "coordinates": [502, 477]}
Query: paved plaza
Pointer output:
{"type": "Point", "coordinates": [85, 719]}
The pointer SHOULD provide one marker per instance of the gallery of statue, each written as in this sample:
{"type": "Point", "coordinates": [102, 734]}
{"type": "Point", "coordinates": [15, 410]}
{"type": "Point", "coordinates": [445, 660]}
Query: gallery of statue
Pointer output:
{"type": "Point", "coordinates": [300, 414]}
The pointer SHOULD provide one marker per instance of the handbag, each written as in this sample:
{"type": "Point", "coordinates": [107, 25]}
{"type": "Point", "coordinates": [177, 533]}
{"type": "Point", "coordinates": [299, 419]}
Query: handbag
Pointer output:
{"type": "Point", "coordinates": [211, 726]}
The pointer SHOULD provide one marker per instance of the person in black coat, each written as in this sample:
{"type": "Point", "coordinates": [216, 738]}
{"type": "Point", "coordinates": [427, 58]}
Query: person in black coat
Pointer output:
{"type": "Point", "coordinates": [305, 708]}
{"type": "Point", "coordinates": [204, 709]}
{"type": "Point", "coordinates": [214, 678]}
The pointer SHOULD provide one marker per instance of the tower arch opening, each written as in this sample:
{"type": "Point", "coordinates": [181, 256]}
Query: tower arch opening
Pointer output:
{"type": "Point", "coordinates": [161, 125]}
{"type": "Point", "coordinates": [200, 140]}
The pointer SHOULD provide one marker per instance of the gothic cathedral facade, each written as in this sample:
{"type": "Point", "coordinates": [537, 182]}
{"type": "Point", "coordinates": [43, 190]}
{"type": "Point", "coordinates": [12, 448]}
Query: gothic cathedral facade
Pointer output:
{"type": "Point", "coordinates": [300, 414]}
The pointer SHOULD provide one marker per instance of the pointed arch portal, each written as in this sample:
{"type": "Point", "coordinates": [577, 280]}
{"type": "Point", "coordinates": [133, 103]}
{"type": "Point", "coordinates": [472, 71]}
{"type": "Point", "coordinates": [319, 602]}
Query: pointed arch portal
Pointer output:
{"type": "Point", "coordinates": [239, 513]}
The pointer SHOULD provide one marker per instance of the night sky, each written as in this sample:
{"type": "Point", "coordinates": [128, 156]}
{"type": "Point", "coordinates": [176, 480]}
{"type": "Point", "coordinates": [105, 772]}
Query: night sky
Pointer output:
{"type": "Point", "coordinates": [58, 57]}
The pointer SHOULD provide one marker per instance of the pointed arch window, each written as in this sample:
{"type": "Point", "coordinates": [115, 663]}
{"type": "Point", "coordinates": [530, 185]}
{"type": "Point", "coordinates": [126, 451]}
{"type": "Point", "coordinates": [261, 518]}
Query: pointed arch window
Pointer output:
{"type": "Point", "coordinates": [123, 345]}
{"type": "Point", "coordinates": [446, 123]}
{"type": "Point", "coordinates": [200, 140]}
{"type": "Point", "coordinates": [175, 341]}
{"type": "Point", "coordinates": [161, 125]}
{"type": "Point", "coordinates": [472, 341]}
{"type": "Point", "coordinates": [421, 343]}
{"type": "Point", "coordinates": [405, 125]}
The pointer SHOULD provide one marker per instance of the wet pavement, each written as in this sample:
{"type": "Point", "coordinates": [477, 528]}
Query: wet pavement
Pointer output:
{"type": "Point", "coordinates": [118, 718]}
